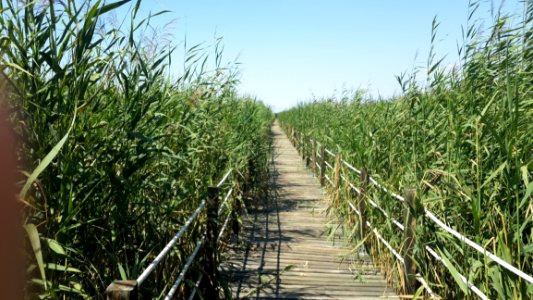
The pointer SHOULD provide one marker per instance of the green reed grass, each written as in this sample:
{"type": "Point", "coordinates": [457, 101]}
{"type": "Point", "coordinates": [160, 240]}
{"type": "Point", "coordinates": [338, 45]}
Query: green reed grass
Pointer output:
{"type": "Point", "coordinates": [464, 139]}
{"type": "Point", "coordinates": [120, 154]}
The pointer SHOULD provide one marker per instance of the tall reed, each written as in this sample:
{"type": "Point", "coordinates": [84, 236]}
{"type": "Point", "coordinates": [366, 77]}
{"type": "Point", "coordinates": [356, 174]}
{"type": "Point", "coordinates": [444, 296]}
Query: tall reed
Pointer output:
{"type": "Point", "coordinates": [464, 139]}
{"type": "Point", "coordinates": [116, 153]}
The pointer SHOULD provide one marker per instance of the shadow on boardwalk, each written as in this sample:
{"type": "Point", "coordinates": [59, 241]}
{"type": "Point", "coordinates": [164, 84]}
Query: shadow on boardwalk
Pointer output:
{"type": "Point", "coordinates": [284, 251]}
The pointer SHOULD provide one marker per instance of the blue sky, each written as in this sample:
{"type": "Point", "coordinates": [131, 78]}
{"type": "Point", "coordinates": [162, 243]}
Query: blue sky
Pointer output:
{"type": "Point", "coordinates": [292, 50]}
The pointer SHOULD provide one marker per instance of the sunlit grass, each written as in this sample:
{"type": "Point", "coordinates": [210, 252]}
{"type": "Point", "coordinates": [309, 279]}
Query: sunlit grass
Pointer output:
{"type": "Point", "coordinates": [121, 153]}
{"type": "Point", "coordinates": [464, 139]}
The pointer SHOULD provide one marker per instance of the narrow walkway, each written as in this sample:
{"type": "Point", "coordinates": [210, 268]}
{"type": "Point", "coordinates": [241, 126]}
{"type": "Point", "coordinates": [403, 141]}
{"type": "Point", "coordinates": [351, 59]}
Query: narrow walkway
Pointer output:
{"type": "Point", "coordinates": [291, 250]}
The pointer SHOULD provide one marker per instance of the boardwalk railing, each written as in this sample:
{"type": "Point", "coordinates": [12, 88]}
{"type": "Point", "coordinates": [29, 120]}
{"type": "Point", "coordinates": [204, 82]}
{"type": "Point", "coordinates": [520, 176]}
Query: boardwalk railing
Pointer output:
{"type": "Point", "coordinates": [316, 156]}
{"type": "Point", "coordinates": [212, 234]}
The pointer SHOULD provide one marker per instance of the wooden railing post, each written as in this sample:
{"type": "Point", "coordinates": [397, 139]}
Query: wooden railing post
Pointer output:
{"type": "Point", "coordinates": [302, 145]}
{"type": "Point", "coordinates": [362, 203]}
{"type": "Point", "coordinates": [235, 213]}
{"type": "Point", "coordinates": [307, 154]}
{"type": "Point", "coordinates": [122, 290]}
{"type": "Point", "coordinates": [235, 224]}
{"type": "Point", "coordinates": [410, 210]}
{"type": "Point", "coordinates": [337, 179]}
{"type": "Point", "coordinates": [313, 156]}
{"type": "Point", "coordinates": [297, 141]}
{"type": "Point", "coordinates": [322, 166]}
{"type": "Point", "coordinates": [292, 136]}
{"type": "Point", "coordinates": [210, 259]}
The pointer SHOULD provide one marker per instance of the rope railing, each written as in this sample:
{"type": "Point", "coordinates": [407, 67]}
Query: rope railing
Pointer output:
{"type": "Point", "coordinates": [181, 276]}
{"type": "Point", "coordinates": [349, 166]}
{"type": "Point", "coordinates": [226, 176]}
{"type": "Point", "coordinates": [394, 221]}
{"type": "Point", "coordinates": [196, 285]}
{"type": "Point", "coordinates": [461, 237]}
{"type": "Point", "coordinates": [377, 184]}
{"type": "Point", "coordinates": [328, 179]}
{"type": "Point", "coordinates": [427, 214]}
{"type": "Point", "coordinates": [169, 245]}
{"type": "Point", "coordinates": [329, 152]}
{"type": "Point", "coordinates": [472, 287]}
{"type": "Point", "coordinates": [350, 184]}
{"type": "Point", "coordinates": [397, 255]}
{"type": "Point", "coordinates": [374, 204]}
{"type": "Point", "coordinates": [424, 283]}
{"type": "Point", "coordinates": [220, 235]}
{"type": "Point", "coordinates": [479, 248]}
{"type": "Point", "coordinates": [225, 201]}
{"type": "Point", "coordinates": [128, 289]}
{"type": "Point", "coordinates": [328, 165]}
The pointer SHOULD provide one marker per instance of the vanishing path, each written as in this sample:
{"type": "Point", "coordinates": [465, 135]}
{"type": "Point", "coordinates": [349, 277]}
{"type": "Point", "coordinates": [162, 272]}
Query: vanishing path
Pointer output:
{"type": "Point", "coordinates": [290, 249]}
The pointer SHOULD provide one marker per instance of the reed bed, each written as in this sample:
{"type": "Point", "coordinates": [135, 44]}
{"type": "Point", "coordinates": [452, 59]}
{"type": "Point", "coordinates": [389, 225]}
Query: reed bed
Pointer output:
{"type": "Point", "coordinates": [463, 137]}
{"type": "Point", "coordinates": [115, 153]}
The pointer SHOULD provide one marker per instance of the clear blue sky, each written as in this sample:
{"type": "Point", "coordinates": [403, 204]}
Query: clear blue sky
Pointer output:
{"type": "Point", "coordinates": [292, 50]}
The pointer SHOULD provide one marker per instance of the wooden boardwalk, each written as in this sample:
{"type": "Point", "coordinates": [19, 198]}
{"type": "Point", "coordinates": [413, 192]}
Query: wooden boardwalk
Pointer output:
{"type": "Point", "coordinates": [291, 250]}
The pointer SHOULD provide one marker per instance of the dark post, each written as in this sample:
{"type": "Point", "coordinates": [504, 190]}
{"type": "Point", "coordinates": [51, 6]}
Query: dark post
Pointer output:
{"type": "Point", "coordinates": [410, 209]}
{"type": "Point", "coordinates": [322, 166]}
{"type": "Point", "coordinates": [362, 203]}
{"type": "Point", "coordinates": [235, 225]}
{"type": "Point", "coordinates": [313, 156]}
{"type": "Point", "coordinates": [337, 179]}
{"type": "Point", "coordinates": [299, 141]}
{"type": "Point", "coordinates": [307, 154]}
{"type": "Point", "coordinates": [210, 255]}
{"type": "Point", "coordinates": [302, 144]}
{"type": "Point", "coordinates": [122, 290]}
{"type": "Point", "coordinates": [235, 213]}
{"type": "Point", "coordinates": [292, 136]}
